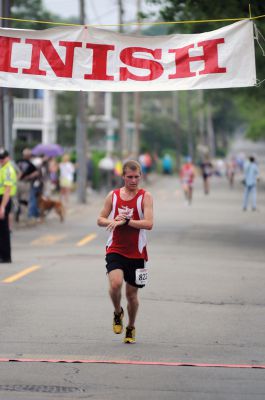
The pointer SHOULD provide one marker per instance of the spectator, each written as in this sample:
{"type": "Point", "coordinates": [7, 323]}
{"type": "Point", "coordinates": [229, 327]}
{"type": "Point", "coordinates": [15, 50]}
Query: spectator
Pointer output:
{"type": "Point", "coordinates": [53, 168]}
{"type": "Point", "coordinates": [167, 164]}
{"type": "Point", "coordinates": [67, 170]}
{"type": "Point", "coordinates": [29, 185]}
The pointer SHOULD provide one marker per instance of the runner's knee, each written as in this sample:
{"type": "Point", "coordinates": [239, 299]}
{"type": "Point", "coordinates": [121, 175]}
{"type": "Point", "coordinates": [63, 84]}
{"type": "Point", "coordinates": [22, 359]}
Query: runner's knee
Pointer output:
{"type": "Point", "coordinates": [131, 294]}
{"type": "Point", "coordinates": [115, 280]}
{"type": "Point", "coordinates": [115, 284]}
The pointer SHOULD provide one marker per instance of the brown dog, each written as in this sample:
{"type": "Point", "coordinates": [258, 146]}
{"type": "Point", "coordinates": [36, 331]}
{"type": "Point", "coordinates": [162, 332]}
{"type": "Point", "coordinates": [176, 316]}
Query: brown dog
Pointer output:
{"type": "Point", "coordinates": [46, 205]}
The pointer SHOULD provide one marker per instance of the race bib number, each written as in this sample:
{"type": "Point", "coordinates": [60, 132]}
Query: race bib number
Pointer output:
{"type": "Point", "coordinates": [141, 276]}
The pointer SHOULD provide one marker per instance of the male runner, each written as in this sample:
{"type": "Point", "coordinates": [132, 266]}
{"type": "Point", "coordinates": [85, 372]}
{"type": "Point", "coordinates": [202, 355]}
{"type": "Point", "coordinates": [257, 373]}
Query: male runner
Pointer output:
{"type": "Point", "coordinates": [126, 214]}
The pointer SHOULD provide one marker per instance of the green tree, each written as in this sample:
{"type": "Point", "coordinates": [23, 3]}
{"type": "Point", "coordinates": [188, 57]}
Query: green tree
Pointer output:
{"type": "Point", "coordinates": [158, 134]}
{"type": "Point", "coordinates": [176, 10]}
{"type": "Point", "coordinates": [251, 112]}
{"type": "Point", "coordinates": [31, 10]}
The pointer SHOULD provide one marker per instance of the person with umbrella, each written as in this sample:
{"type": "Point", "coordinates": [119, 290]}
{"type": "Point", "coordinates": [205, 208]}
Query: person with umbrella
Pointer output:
{"type": "Point", "coordinates": [48, 150]}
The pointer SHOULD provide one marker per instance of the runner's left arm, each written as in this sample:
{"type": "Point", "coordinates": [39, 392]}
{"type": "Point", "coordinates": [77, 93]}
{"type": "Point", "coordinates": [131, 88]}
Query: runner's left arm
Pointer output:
{"type": "Point", "coordinates": [147, 221]}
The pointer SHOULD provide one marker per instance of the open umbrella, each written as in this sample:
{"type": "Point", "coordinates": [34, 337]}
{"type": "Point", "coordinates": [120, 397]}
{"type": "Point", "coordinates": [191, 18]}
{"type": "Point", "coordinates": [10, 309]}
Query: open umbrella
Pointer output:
{"type": "Point", "coordinates": [49, 150]}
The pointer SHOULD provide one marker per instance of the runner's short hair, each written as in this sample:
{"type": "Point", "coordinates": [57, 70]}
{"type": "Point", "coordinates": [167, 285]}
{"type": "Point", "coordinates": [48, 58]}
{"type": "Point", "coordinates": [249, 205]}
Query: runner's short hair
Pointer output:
{"type": "Point", "coordinates": [133, 165]}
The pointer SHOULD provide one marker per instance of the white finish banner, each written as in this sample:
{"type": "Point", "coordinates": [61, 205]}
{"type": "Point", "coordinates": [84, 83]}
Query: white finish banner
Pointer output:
{"type": "Point", "coordinates": [92, 59]}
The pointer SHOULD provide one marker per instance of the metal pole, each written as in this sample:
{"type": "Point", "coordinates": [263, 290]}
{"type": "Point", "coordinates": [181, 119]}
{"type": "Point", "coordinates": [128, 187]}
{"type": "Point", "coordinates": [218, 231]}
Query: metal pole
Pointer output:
{"type": "Point", "coordinates": [123, 100]}
{"type": "Point", "coordinates": [201, 117]}
{"type": "Point", "coordinates": [2, 138]}
{"type": "Point", "coordinates": [137, 100]}
{"type": "Point", "coordinates": [6, 98]}
{"type": "Point", "coordinates": [81, 133]}
{"type": "Point", "coordinates": [210, 130]}
{"type": "Point", "coordinates": [175, 101]}
{"type": "Point", "coordinates": [190, 125]}
{"type": "Point", "coordinates": [110, 130]}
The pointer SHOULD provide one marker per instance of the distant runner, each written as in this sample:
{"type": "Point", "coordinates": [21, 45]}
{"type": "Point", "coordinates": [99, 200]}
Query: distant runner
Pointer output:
{"type": "Point", "coordinates": [207, 171]}
{"type": "Point", "coordinates": [187, 174]}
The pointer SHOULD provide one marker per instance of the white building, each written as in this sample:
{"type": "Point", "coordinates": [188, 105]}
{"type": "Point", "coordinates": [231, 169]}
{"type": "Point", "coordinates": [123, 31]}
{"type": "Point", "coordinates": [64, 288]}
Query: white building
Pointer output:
{"type": "Point", "coordinates": [100, 105]}
{"type": "Point", "coordinates": [35, 118]}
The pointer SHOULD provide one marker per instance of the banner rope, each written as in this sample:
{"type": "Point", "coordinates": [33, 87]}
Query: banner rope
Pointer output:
{"type": "Point", "coordinates": [257, 36]}
{"type": "Point", "coordinates": [259, 82]}
{"type": "Point", "coordinates": [249, 10]}
{"type": "Point", "coordinates": [133, 23]}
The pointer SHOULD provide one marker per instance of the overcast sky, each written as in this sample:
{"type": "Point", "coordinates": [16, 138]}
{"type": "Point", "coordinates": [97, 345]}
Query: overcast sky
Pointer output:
{"type": "Point", "coordinates": [97, 11]}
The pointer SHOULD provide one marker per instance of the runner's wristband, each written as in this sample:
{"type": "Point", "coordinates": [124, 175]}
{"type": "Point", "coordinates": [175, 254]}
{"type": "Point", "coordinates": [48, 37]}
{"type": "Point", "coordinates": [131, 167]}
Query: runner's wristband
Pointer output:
{"type": "Point", "coordinates": [127, 220]}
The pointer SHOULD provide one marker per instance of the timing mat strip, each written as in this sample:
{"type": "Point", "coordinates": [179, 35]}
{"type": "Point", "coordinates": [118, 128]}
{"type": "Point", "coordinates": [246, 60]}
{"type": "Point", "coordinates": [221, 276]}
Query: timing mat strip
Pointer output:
{"type": "Point", "coordinates": [134, 362]}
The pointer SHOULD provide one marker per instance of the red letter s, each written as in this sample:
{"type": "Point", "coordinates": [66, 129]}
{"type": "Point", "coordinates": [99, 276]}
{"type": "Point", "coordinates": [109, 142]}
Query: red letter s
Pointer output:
{"type": "Point", "coordinates": [127, 57]}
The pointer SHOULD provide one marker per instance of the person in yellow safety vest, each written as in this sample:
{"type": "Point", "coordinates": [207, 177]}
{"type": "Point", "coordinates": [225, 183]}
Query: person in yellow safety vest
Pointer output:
{"type": "Point", "coordinates": [8, 185]}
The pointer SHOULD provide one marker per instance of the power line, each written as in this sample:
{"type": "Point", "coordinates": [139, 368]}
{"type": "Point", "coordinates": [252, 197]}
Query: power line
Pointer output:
{"type": "Point", "coordinates": [137, 23]}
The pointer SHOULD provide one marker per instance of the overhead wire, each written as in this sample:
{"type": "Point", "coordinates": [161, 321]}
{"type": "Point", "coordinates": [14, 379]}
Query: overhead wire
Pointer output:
{"type": "Point", "coordinates": [135, 23]}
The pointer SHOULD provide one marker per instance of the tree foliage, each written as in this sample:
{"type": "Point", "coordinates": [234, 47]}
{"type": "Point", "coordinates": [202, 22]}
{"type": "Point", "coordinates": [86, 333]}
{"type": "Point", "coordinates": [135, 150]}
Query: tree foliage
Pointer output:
{"type": "Point", "coordinates": [189, 10]}
{"type": "Point", "coordinates": [33, 10]}
{"type": "Point", "coordinates": [252, 104]}
{"type": "Point", "coordinates": [158, 134]}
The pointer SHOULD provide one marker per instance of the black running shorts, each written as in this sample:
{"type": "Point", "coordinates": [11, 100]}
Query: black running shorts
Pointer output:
{"type": "Point", "coordinates": [127, 265]}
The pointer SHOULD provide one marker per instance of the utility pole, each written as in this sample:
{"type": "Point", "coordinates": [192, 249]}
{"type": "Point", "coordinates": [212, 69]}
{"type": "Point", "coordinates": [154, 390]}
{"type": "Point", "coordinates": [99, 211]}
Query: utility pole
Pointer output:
{"type": "Point", "coordinates": [81, 132]}
{"type": "Point", "coordinates": [175, 106]}
{"type": "Point", "coordinates": [123, 99]}
{"type": "Point", "coordinates": [190, 124]}
{"type": "Point", "coordinates": [201, 117]}
{"type": "Point", "coordinates": [110, 130]}
{"type": "Point", "coordinates": [137, 100]}
{"type": "Point", "coordinates": [2, 140]}
{"type": "Point", "coordinates": [6, 100]}
{"type": "Point", "coordinates": [210, 130]}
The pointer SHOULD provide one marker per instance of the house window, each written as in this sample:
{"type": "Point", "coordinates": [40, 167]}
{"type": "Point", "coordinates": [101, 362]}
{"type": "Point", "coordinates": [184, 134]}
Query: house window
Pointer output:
{"type": "Point", "coordinates": [29, 136]}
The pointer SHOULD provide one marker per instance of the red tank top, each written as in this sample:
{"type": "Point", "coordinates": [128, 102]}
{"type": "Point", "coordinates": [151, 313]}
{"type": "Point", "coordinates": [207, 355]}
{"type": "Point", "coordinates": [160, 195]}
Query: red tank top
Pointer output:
{"type": "Point", "coordinates": [125, 240]}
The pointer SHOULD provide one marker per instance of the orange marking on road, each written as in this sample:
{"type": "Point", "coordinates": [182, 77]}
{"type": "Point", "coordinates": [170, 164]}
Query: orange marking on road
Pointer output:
{"type": "Point", "coordinates": [21, 274]}
{"type": "Point", "coordinates": [86, 239]}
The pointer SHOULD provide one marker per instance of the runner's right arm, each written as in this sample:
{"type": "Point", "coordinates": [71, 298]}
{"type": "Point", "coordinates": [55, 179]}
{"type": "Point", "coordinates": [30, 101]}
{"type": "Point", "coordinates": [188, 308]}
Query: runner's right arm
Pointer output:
{"type": "Point", "coordinates": [103, 219]}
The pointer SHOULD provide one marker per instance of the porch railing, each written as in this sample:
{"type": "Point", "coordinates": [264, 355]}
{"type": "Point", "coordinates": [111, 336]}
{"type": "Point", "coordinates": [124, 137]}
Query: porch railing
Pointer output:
{"type": "Point", "coordinates": [30, 110]}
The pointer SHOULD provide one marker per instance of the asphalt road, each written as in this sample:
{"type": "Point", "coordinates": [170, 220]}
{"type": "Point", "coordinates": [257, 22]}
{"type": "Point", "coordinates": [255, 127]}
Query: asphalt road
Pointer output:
{"type": "Point", "coordinates": [200, 328]}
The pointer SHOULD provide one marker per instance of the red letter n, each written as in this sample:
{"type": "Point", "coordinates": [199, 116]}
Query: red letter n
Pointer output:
{"type": "Point", "coordinates": [154, 67]}
{"type": "Point", "coordinates": [210, 58]}
{"type": "Point", "coordinates": [6, 45]}
{"type": "Point", "coordinates": [61, 69]}
{"type": "Point", "coordinates": [99, 65]}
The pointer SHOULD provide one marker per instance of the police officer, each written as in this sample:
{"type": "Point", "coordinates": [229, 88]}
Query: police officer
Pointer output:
{"type": "Point", "coordinates": [7, 191]}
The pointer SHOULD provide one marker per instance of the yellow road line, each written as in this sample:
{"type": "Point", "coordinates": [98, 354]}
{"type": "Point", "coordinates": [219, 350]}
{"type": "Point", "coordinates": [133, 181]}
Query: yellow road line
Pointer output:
{"type": "Point", "coordinates": [86, 239]}
{"type": "Point", "coordinates": [47, 239]}
{"type": "Point", "coordinates": [19, 275]}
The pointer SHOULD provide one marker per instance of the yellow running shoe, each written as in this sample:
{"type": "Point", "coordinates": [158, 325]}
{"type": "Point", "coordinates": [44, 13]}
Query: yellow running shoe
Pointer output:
{"type": "Point", "coordinates": [117, 322]}
{"type": "Point", "coordinates": [130, 335]}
